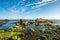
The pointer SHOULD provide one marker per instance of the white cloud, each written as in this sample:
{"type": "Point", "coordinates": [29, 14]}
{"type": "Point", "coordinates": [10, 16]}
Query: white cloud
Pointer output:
{"type": "Point", "coordinates": [46, 0]}
{"type": "Point", "coordinates": [14, 12]}
{"type": "Point", "coordinates": [22, 9]}
{"type": "Point", "coordinates": [39, 4]}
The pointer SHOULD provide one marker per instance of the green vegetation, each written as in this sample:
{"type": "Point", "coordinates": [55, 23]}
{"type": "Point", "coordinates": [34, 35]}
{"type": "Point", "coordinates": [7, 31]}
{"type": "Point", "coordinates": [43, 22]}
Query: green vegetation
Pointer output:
{"type": "Point", "coordinates": [19, 32]}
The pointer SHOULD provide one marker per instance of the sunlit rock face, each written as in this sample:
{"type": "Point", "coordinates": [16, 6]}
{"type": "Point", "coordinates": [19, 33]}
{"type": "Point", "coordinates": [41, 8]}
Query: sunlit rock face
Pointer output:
{"type": "Point", "coordinates": [23, 22]}
{"type": "Point", "coordinates": [41, 22]}
{"type": "Point", "coordinates": [17, 24]}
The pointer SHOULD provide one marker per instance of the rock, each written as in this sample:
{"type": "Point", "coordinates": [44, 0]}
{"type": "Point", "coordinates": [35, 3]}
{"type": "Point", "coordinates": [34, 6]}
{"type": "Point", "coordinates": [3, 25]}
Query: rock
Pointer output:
{"type": "Point", "coordinates": [23, 22]}
{"type": "Point", "coordinates": [17, 23]}
{"type": "Point", "coordinates": [6, 20]}
{"type": "Point", "coordinates": [39, 20]}
{"type": "Point", "coordinates": [1, 24]}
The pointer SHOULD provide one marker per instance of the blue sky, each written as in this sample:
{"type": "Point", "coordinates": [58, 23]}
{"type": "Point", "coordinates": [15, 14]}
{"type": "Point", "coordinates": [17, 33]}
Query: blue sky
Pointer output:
{"type": "Point", "coordinates": [29, 9]}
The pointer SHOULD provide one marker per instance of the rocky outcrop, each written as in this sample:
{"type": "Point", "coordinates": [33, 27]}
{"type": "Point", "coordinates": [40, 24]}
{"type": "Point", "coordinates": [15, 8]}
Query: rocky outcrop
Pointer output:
{"type": "Point", "coordinates": [23, 22]}
{"type": "Point", "coordinates": [41, 22]}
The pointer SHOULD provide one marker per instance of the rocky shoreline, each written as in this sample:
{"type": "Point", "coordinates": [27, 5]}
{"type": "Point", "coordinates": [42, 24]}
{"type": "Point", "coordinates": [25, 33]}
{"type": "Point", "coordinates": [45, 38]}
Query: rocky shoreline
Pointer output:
{"type": "Point", "coordinates": [19, 31]}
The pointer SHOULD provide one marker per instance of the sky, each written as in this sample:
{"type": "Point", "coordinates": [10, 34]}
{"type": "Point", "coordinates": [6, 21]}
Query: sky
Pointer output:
{"type": "Point", "coordinates": [29, 9]}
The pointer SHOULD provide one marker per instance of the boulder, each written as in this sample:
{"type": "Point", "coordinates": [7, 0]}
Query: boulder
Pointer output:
{"type": "Point", "coordinates": [23, 22]}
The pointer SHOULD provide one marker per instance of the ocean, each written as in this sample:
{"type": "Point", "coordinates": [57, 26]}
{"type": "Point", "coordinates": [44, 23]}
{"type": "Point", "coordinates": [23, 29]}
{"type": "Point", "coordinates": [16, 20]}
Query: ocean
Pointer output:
{"type": "Point", "coordinates": [11, 23]}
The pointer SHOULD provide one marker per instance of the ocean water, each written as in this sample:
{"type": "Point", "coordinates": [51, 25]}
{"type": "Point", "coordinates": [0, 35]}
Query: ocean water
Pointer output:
{"type": "Point", "coordinates": [8, 24]}
{"type": "Point", "coordinates": [11, 23]}
{"type": "Point", "coordinates": [56, 22]}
